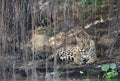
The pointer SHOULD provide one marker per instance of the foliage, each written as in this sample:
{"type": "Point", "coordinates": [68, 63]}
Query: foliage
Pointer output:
{"type": "Point", "coordinates": [95, 3]}
{"type": "Point", "coordinates": [59, 72]}
{"type": "Point", "coordinates": [110, 70]}
{"type": "Point", "coordinates": [86, 74]}
{"type": "Point", "coordinates": [86, 3]}
{"type": "Point", "coordinates": [68, 2]}
{"type": "Point", "coordinates": [61, 1]}
{"type": "Point", "coordinates": [111, 80]}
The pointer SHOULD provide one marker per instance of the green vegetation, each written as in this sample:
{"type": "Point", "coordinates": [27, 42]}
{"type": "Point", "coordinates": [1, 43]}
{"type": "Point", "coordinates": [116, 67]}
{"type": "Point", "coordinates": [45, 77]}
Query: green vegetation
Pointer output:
{"type": "Point", "coordinates": [95, 3]}
{"type": "Point", "coordinates": [86, 3]}
{"type": "Point", "coordinates": [110, 71]}
{"type": "Point", "coordinates": [86, 74]}
{"type": "Point", "coordinates": [59, 73]}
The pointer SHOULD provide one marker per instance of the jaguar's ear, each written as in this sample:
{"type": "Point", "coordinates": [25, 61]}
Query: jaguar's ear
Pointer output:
{"type": "Point", "coordinates": [92, 43]}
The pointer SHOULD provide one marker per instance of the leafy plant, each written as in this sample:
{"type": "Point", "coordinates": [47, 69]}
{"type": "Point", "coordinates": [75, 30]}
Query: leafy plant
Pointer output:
{"type": "Point", "coordinates": [111, 80]}
{"type": "Point", "coordinates": [61, 1]}
{"type": "Point", "coordinates": [86, 74]}
{"type": "Point", "coordinates": [110, 70]}
{"type": "Point", "coordinates": [94, 3]}
{"type": "Point", "coordinates": [59, 72]}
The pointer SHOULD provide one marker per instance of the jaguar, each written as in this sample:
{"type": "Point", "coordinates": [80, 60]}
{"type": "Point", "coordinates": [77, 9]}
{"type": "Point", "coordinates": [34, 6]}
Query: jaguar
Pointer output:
{"type": "Point", "coordinates": [87, 49]}
{"type": "Point", "coordinates": [83, 52]}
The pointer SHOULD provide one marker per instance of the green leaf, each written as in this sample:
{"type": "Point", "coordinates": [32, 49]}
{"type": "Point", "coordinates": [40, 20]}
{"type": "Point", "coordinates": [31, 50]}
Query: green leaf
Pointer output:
{"type": "Point", "coordinates": [108, 79]}
{"type": "Point", "coordinates": [59, 73]}
{"type": "Point", "coordinates": [112, 65]}
{"type": "Point", "coordinates": [84, 3]}
{"type": "Point", "coordinates": [115, 73]}
{"type": "Point", "coordinates": [62, 1]}
{"type": "Point", "coordinates": [109, 75]}
{"type": "Point", "coordinates": [105, 67]}
{"type": "Point", "coordinates": [89, 72]}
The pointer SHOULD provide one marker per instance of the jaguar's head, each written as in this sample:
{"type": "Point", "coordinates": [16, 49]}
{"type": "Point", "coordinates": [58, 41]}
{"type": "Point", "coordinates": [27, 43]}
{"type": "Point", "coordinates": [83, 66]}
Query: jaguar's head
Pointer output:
{"type": "Point", "coordinates": [86, 47]}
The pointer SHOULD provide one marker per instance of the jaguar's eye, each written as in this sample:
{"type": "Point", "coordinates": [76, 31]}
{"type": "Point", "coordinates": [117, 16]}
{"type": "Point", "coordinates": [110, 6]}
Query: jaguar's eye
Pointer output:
{"type": "Point", "coordinates": [80, 50]}
{"type": "Point", "coordinates": [83, 50]}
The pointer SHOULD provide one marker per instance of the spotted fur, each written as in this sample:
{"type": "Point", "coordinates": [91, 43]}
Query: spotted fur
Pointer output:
{"type": "Point", "coordinates": [83, 52]}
